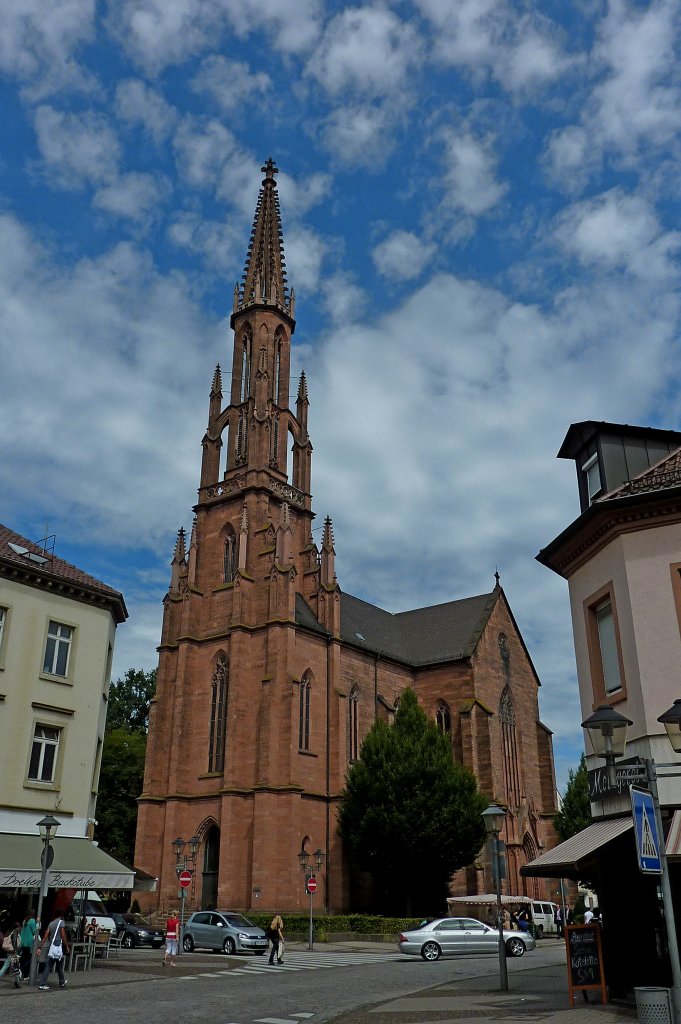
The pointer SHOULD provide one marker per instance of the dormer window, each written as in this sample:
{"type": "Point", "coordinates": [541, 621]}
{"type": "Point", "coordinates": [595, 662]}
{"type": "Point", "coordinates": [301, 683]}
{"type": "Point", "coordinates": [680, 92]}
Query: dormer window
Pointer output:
{"type": "Point", "coordinates": [592, 475]}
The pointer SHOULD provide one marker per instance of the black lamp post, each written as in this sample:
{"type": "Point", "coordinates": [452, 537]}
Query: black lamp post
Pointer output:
{"type": "Point", "coordinates": [47, 827]}
{"type": "Point", "coordinates": [493, 818]}
{"type": "Point", "coordinates": [306, 861]}
{"type": "Point", "coordinates": [607, 731]}
{"type": "Point", "coordinates": [185, 860]}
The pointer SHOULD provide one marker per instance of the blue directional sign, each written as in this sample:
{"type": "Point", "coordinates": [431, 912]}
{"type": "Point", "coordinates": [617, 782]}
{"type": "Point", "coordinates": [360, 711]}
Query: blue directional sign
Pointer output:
{"type": "Point", "coordinates": [645, 830]}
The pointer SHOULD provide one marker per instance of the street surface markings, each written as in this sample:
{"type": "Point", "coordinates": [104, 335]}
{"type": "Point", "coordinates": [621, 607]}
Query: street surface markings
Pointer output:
{"type": "Point", "coordinates": [274, 1020]}
{"type": "Point", "coordinates": [302, 960]}
{"type": "Point", "coordinates": [305, 1015]}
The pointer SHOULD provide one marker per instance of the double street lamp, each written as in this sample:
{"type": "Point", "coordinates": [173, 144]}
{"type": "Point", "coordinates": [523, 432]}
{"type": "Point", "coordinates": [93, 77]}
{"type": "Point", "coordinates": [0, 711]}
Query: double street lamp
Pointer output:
{"type": "Point", "coordinates": [47, 827]}
{"type": "Point", "coordinates": [493, 818]}
{"type": "Point", "coordinates": [607, 731]}
{"type": "Point", "coordinates": [185, 860]}
{"type": "Point", "coordinates": [306, 861]}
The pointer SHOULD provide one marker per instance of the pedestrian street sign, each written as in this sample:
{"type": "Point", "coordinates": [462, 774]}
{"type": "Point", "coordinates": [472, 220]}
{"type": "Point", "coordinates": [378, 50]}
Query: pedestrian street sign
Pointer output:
{"type": "Point", "coordinates": [645, 830]}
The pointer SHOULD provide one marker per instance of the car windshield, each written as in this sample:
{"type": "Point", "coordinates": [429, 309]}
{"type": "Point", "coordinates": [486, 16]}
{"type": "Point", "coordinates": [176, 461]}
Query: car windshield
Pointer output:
{"type": "Point", "coordinates": [239, 921]}
{"type": "Point", "coordinates": [138, 919]}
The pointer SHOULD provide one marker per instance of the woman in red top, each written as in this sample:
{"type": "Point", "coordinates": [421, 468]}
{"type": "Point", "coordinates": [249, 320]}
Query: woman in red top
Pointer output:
{"type": "Point", "coordinates": [172, 935]}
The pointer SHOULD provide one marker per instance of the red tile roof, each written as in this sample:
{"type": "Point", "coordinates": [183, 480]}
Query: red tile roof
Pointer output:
{"type": "Point", "coordinates": [664, 474]}
{"type": "Point", "coordinates": [54, 568]}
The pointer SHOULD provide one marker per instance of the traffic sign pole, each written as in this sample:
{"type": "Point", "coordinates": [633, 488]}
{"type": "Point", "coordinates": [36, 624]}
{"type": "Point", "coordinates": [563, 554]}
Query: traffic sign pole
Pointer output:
{"type": "Point", "coordinates": [311, 888]}
{"type": "Point", "coordinates": [667, 901]}
{"type": "Point", "coordinates": [184, 878]}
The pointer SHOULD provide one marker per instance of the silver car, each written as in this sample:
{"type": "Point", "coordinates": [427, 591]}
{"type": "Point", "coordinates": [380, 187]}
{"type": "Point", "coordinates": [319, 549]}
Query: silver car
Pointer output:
{"type": "Point", "coordinates": [456, 935]}
{"type": "Point", "coordinates": [223, 930]}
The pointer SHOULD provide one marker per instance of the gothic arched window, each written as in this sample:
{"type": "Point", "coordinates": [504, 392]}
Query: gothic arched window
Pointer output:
{"type": "Point", "coordinates": [304, 713]}
{"type": "Point", "coordinates": [509, 748]}
{"type": "Point", "coordinates": [218, 715]}
{"type": "Point", "coordinates": [277, 367]}
{"type": "Point", "coordinates": [443, 719]}
{"type": "Point", "coordinates": [274, 442]}
{"type": "Point", "coordinates": [246, 345]}
{"type": "Point", "coordinates": [230, 558]}
{"type": "Point", "coordinates": [354, 723]}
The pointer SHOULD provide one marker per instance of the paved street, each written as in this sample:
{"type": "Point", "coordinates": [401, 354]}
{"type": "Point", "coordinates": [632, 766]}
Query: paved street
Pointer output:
{"type": "Point", "coordinates": [360, 984]}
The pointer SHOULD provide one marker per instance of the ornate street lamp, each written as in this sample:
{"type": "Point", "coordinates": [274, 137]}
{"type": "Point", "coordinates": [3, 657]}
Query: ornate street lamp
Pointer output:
{"type": "Point", "coordinates": [186, 853]}
{"type": "Point", "coordinates": [47, 828]}
{"type": "Point", "coordinates": [607, 731]}
{"type": "Point", "coordinates": [306, 862]}
{"type": "Point", "coordinates": [493, 817]}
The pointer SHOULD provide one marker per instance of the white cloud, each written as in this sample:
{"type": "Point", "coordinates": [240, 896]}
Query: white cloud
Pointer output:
{"type": "Point", "coordinates": [78, 149]}
{"type": "Point", "coordinates": [366, 50]}
{"type": "Point", "coordinates": [470, 172]}
{"type": "Point", "coordinates": [38, 42]}
{"type": "Point", "coordinates": [139, 104]}
{"type": "Point", "coordinates": [344, 300]}
{"type": "Point", "coordinates": [360, 135]}
{"type": "Point", "coordinates": [402, 255]}
{"type": "Point", "coordinates": [293, 27]}
{"type": "Point", "coordinates": [215, 241]}
{"type": "Point", "coordinates": [305, 251]}
{"type": "Point", "coordinates": [229, 82]}
{"type": "Point", "coordinates": [132, 195]}
{"type": "Point", "coordinates": [620, 231]}
{"type": "Point", "coordinates": [202, 148]}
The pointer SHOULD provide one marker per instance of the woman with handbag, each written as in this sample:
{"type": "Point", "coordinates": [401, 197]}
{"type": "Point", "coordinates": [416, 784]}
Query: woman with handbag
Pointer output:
{"type": "Point", "coordinates": [53, 948]}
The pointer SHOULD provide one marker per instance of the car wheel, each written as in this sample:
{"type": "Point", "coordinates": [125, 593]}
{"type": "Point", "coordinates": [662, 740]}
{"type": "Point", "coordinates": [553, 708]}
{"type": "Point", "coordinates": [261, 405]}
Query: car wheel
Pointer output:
{"type": "Point", "coordinates": [540, 931]}
{"type": "Point", "coordinates": [229, 946]}
{"type": "Point", "coordinates": [128, 941]}
{"type": "Point", "coordinates": [515, 947]}
{"type": "Point", "coordinates": [431, 951]}
{"type": "Point", "coordinates": [188, 944]}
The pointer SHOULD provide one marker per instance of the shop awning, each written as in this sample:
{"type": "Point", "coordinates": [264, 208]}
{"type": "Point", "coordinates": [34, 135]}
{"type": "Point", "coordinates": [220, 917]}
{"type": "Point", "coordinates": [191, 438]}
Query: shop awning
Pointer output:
{"type": "Point", "coordinates": [568, 858]}
{"type": "Point", "coordinates": [77, 864]}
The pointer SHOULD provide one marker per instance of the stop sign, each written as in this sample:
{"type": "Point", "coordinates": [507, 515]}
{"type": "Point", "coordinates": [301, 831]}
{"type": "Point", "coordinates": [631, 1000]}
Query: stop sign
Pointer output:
{"type": "Point", "coordinates": [185, 879]}
{"type": "Point", "coordinates": [311, 884]}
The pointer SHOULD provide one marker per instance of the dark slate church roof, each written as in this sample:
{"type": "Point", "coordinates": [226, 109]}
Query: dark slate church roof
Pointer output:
{"type": "Point", "coordinates": [424, 636]}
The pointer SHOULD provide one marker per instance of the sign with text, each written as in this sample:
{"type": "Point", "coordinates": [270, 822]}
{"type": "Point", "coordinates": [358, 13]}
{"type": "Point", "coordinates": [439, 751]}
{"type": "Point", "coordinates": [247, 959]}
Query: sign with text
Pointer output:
{"type": "Point", "coordinates": [585, 959]}
{"type": "Point", "coordinates": [633, 770]}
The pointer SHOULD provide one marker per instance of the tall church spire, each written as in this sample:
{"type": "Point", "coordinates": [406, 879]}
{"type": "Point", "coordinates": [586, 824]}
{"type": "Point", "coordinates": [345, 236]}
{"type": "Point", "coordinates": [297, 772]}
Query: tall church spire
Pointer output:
{"type": "Point", "coordinates": [264, 277]}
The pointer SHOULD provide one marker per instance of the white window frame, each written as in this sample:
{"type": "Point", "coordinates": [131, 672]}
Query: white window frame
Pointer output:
{"type": "Point", "coordinates": [607, 642]}
{"type": "Point", "coordinates": [44, 743]}
{"type": "Point", "coordinates": [4, 629]}
{"type": "Point", "coordinates": [589, 476]}
{"type": "Point", "coordinates": [59, 643]}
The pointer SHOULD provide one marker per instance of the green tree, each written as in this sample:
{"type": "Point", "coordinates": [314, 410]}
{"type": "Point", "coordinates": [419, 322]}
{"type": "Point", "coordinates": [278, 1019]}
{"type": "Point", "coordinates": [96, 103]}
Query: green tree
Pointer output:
{"type": "Point", "coordinates": [575, 811]}
{"type": "Point", "coordinates": [121, 776]}
{"type": "Point", "coordinates": [129, 699]}
{"type": "Point", "coordinates": [409, 815]}
{"type": "Point", "coordinates": [120, 782]}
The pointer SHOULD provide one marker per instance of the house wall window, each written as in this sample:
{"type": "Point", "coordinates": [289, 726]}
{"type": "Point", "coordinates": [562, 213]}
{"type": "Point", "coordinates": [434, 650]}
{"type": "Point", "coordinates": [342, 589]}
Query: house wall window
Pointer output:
{"type": "Point", "coordinates": [4, 626]}
{"type": "Point", "coordinates": [603, 642]}
{"type": "Point", "coordinates": [218, 715]}
{"type": "Point", "coordinates": [304, 713]}
{"type": "Point", "coordinates": [443, 718]}
{"type": "Point", "coordinates": [676, 590]}
{"type": "Point", "coordinates": [230, 558]}
{"type": "Point", "coordinates": [45, 747]}
{"type": "Point", "coordinates": [57, 649]}
{"type": "Point", "coordinates": [354, 723]}
{"type": "Point", "coordinates": [592, 474]}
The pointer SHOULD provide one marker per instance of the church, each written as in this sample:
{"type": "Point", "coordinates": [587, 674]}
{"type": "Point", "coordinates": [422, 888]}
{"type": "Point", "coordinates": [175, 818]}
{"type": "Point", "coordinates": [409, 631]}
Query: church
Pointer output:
{"type": "Point", "coordinates": [270, 675]}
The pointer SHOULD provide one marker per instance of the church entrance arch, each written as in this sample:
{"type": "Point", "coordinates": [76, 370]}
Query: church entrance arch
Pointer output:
{"type": "Point", "coordinates": [211, 867]}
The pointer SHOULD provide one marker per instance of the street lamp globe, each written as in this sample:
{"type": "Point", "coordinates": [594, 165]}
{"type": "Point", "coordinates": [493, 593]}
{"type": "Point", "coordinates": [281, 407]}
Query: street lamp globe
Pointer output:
{"type": "Point", "coordinates": [493, 817]}
{"type": "Point", "coordinates": [671, 720]}
{"type": "Point", "coordinates": [607, 731]}
{"type": "Point", "coordinates": [47, 827]}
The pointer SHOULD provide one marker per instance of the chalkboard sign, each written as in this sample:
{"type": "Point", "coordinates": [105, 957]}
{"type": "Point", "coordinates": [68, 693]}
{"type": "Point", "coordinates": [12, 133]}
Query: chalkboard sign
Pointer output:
{"type": "Point", "coordinates": [585, 959]}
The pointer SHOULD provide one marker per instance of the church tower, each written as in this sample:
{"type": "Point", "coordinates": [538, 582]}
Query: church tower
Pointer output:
{"type": "Point", "coordinates": [269, 678]}
{"type": "Point", "coordinates": [236, 695]}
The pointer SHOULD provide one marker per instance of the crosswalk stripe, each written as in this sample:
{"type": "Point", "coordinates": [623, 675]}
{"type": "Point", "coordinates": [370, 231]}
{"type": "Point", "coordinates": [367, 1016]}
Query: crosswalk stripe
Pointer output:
{"type": "Point", "coordinates": [304, 1015]}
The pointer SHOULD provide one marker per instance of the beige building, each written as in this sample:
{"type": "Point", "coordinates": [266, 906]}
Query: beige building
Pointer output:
{"type": "Point", "coordinates": [622, 560]}
{"type": "Point", "coordinates": [57, 633]}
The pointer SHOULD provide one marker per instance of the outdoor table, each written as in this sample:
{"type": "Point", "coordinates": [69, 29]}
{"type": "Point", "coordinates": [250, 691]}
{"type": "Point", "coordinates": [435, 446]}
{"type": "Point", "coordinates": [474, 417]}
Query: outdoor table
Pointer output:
{"type": "Point", "coordinates": [78, 950]}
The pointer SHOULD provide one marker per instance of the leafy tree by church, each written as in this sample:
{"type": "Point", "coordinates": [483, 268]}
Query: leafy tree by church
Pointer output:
{"type": "Point", "coordinates": [121, 775]}
{"type": "Point", "coordinates": [575, 812]}
{"type": "Point", "coordinates": [409, 815]}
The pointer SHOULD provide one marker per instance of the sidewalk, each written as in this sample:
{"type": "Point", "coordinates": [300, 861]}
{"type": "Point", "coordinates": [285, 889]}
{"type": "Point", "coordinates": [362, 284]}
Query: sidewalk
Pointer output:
{"type": "Point", "coordinates": [537, 994]}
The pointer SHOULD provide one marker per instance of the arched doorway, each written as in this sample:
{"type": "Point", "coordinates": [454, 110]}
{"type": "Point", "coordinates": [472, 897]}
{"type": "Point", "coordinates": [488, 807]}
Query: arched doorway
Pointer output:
{"type": "Point", "coordinates": [211, 867]}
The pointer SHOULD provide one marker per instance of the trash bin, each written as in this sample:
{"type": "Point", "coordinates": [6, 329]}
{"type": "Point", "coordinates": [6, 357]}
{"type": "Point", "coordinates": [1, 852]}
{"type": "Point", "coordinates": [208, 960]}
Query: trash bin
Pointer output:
{"type": "Point", "coordinates": [653, 1005]}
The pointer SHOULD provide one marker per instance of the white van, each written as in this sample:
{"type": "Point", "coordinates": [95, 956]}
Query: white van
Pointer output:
{"type": "Point", "coordinates": [544, 917]}
{"type": "Point", "coordinates": [89, 905]}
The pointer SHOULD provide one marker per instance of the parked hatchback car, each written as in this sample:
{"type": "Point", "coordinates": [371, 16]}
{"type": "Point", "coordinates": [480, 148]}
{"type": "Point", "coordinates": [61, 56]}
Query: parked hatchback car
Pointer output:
{"type": "Point", "coordinates": [453, 936]}
{"type": "Point", "coordinates": [135, 930]}
{"type": "Point", "coordinates": [223, 929]}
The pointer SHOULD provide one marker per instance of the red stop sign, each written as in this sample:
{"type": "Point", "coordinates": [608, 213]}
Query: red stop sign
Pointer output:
{"type": "Point", "coordinates": [312, 884]}
{"type": "Point", "coordinates": [185, 879]}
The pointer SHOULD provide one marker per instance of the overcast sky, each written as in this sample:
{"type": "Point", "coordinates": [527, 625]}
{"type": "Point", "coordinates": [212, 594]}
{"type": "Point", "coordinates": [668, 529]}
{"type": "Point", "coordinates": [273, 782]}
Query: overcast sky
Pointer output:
{"type": "Point", "coordinates": [480, 203]}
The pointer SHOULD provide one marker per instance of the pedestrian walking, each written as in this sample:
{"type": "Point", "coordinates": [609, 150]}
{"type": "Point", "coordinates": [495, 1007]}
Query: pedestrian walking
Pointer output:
{"type": "Point", "coordinates": [276, 936]}
{"type": "Point", "coordinates": [53, 948]}
{"type": "Point", "coordinates": [26, 940]}
{"type": "Point", "coordinates": [172, 936]}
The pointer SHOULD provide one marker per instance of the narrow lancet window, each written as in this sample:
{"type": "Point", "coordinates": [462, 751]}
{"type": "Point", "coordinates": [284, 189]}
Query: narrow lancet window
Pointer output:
{"type": "Point", "coordinates": [304, 713]}
{"type": "Point", "coordinates": [230, 558]}
{"type": "Point", "coordinates": [354, 724]}
{"type": "Point", "coordinates": [218, 715]}
{"type": "Point", "coordinates": [443, 718]}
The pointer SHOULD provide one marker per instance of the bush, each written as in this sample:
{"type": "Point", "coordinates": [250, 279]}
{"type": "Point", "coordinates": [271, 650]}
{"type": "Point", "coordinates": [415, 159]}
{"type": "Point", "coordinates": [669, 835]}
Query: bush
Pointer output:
{"type": "Point", "coordinates": [329, 924]}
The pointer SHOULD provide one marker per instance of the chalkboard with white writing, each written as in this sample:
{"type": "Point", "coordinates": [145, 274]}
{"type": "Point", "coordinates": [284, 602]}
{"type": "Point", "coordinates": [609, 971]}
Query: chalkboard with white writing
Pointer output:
{"type": "Point", "coordinates": [585, 958]}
